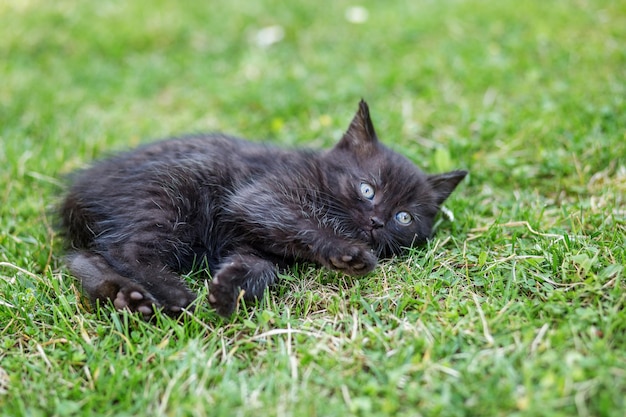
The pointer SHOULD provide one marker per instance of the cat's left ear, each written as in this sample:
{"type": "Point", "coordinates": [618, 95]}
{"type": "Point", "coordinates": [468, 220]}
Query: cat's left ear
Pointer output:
{"type": "Point", "coordinates": [444, 184]}
{"type": "Point", "coordinates": [360, 135]}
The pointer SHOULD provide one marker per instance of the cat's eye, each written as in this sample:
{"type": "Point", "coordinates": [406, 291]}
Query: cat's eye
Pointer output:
{"type": "Point", "coordinates": [404, 218]}
{"type": "Point", "coordinates": [367, 190]}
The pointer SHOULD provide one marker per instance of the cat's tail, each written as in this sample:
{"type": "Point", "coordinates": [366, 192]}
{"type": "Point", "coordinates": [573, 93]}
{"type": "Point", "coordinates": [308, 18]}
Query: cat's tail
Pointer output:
{"type": "Point", "coordinates": [75, 223]}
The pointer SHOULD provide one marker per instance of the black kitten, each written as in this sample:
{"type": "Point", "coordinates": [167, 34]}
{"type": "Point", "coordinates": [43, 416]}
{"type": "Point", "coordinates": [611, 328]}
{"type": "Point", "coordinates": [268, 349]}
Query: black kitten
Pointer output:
{"type": "Point", "coordinates": [137, 220]}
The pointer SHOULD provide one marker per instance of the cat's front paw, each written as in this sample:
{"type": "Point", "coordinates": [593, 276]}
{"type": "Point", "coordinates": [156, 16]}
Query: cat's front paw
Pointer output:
{"type": "Point", "coordinates": [353, 260]}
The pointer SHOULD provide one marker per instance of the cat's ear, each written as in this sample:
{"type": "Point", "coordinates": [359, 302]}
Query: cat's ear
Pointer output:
{"type": "Point", "coordinates": [444, 184]}
{"type": "Point", "coordinates": [360, 135]}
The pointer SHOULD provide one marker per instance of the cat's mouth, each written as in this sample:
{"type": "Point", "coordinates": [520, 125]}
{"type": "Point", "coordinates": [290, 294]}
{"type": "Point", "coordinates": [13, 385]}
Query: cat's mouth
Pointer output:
{"type": "Point", "coordinates": [373, 238]}
{"type": "Point", "coordinates": [368, 236]}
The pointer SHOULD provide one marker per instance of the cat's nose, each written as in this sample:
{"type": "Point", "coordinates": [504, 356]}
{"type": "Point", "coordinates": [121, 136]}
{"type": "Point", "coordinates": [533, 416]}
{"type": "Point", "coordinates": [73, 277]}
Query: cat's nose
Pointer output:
{"type": "Point", "coordinates": [376, 222]}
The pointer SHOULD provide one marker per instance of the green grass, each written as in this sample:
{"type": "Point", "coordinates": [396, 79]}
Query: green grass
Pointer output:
{"type": "Point", "coordinates": [515, 308]}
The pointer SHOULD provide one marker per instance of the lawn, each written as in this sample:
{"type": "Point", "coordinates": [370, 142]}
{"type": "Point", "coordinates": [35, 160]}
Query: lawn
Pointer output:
{"type": "Point", "coordinates": [516, 307]}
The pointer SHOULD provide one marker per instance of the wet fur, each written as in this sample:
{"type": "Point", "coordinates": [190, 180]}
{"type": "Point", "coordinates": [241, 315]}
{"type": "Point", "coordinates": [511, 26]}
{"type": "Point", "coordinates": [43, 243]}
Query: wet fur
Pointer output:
{"type": "Point", "coordinates": [134, 222]}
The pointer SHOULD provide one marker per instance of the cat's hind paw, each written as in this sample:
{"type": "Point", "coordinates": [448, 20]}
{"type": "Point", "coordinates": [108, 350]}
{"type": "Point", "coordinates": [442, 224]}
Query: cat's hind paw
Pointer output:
{"type": "Point", "coordinates": [240, 276]}
{"type": "Point", "coordinates": [353, 260]}
{"type": "Point", "coordinates": [135, 300]}
{"type": "Point", "coordinates": [223, 295]}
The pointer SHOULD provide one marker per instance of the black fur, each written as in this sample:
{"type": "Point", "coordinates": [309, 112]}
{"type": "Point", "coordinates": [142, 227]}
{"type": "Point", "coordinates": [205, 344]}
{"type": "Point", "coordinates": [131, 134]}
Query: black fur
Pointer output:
{"type": "Point", "coordinates": [139, 219]}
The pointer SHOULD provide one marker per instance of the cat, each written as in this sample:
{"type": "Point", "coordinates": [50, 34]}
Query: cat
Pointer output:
{"type": "Point", "coordinates": [136, 221]}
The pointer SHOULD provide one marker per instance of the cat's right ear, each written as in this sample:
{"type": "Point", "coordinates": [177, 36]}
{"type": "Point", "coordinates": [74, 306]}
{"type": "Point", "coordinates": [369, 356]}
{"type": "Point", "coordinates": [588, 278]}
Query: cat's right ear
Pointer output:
{"type": "Point", "coordinates": [360, 136]}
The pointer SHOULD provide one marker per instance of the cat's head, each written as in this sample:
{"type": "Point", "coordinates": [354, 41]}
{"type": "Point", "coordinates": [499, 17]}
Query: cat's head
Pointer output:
{"type": "Point", "coordinates": [389, 203]}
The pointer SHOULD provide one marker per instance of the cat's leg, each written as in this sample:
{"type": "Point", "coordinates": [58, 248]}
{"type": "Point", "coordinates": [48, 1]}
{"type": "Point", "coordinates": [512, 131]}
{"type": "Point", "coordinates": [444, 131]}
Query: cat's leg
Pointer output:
{"type": "Point", "coordinates": [347, 257]}
{"type": "Point", "coordinates": [102, 282]}
{"type": "Point", "coordinates": [145, 265]}
{"type": "Point", "coordinates": [238, 272]}
{"type": "Point", "coordinates": [290, 224]}
{"type": "Point", "coordinates": [344, 255]}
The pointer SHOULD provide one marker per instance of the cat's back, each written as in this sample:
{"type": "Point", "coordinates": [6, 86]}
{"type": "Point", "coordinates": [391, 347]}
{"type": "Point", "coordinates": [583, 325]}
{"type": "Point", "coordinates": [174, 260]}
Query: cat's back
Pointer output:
{"type": "Point", "coordinates": [189, 166]}
{"type": "Point", "coordinates": [198, 157]}
{"type": "Point", "coordinates": [182, 151]}
{"type": "Point", "coordinates": [183, 171]}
